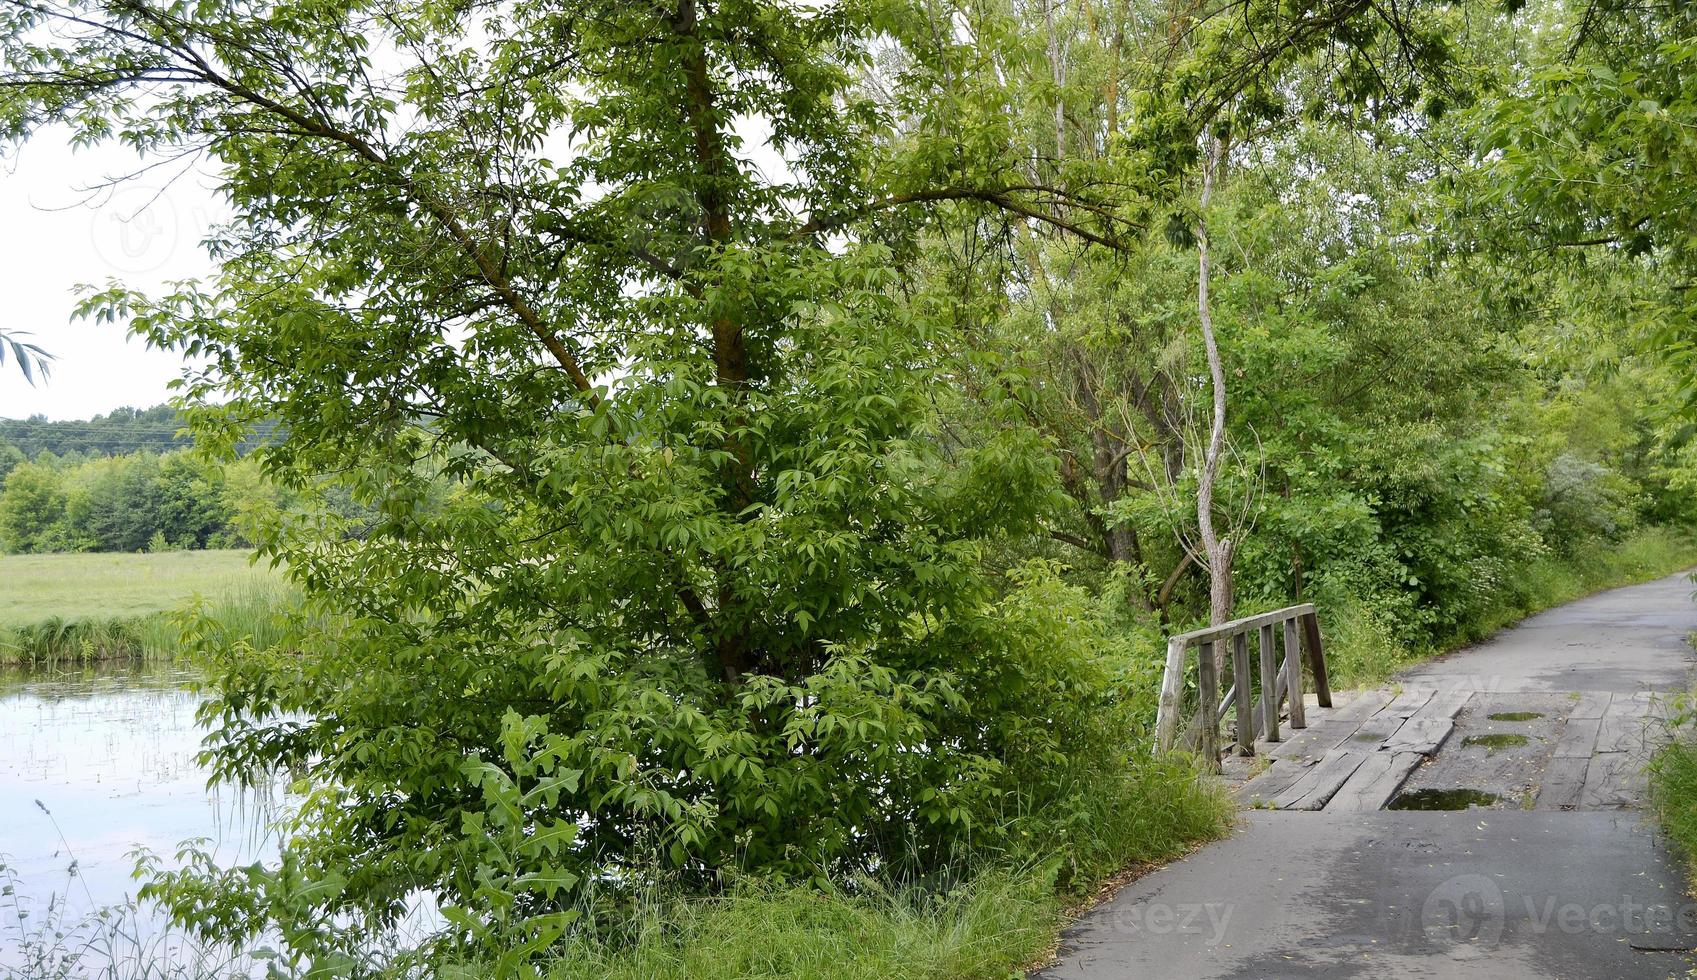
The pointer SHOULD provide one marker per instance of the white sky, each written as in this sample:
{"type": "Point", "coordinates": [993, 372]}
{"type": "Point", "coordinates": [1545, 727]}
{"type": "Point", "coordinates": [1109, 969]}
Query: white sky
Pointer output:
{"type": "Point", "coordinates": [55, 235]}
{"type": "Point", "coordinates": [59, 228]}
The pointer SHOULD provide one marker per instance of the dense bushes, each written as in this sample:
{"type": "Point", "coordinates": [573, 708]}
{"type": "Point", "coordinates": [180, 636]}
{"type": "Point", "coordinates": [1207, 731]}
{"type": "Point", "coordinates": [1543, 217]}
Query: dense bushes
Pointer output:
{"type": "Point", "coordinates": [126, 481]}
{"type": "Point", "coordinates": [135, 502]}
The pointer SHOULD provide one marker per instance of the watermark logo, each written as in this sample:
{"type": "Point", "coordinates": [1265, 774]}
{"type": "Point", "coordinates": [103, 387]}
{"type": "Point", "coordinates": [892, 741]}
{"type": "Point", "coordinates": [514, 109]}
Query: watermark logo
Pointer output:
{"type": "Point", "coordinates": [138, 228]}
{"type": "Point", "coordinates": [1470, 913]}
{"type": "Point", "coordinates": [1467, 911]}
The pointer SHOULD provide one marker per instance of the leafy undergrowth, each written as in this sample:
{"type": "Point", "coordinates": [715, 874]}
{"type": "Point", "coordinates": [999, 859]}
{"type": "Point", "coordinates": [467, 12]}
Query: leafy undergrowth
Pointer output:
{"type": "Point", "coordinates": [1002, 918]}
{"type": "Point", "coordinates": [985, 928]}
{"type": "Point", "coordinates": [1673, 784]}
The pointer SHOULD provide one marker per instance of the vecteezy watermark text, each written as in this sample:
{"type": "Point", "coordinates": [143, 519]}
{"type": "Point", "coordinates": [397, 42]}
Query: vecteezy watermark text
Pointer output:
{"type": "Point", "coordinates": [1206, 919]}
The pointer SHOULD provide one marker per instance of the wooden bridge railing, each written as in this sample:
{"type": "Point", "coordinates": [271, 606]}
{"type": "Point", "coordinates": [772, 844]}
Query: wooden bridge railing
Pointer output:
{"type": "Point", "coordinates": [1255, 716]}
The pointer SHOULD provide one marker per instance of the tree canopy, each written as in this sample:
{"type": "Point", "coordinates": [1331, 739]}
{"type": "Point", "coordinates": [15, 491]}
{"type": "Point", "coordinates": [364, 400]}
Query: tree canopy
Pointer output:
{"type": "Point", "coordinates": [776, 429]}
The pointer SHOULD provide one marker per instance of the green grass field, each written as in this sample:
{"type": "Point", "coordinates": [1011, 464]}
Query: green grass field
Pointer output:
{"type": "Point", "coordinates": [35, 588]}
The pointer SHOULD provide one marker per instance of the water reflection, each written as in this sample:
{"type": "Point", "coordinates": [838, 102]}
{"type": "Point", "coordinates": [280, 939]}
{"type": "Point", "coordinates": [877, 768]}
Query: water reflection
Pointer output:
{"type": "Point", "coordinates": [97, 761]}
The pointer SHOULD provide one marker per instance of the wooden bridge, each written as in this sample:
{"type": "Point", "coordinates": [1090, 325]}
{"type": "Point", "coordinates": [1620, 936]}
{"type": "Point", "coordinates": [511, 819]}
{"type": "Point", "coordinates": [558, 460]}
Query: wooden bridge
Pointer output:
{"type": "Point", "coordinates": [1288, 752]}
{"type": "Point", "coordinates": [1256, 706]}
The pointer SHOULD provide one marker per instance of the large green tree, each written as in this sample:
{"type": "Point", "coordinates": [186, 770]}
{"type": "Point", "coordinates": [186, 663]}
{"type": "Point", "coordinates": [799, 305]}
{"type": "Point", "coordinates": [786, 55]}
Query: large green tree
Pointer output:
{"type": "Point", "coordinates": [703, 599]}
{"type": "Point", "coordinates": [1586, 147]}
{"type": "Point", "coordinates": [629, 275]}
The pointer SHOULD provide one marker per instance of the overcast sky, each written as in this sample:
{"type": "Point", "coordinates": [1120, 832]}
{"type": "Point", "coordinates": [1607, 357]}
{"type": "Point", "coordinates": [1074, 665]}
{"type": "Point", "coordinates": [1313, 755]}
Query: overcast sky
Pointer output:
{"type": "Point", "coordinates": [54, 235]}
{"type": "Point", "coordinates": [60, 227]}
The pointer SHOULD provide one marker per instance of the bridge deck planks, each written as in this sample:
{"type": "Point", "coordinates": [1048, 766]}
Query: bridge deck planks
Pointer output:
{"type": "Point", "coordinates": [1317, 786]}
{"type": "Point", "coordinates": [1375, 782]}
{"type": "Point", "coordinates": [1359, 755]}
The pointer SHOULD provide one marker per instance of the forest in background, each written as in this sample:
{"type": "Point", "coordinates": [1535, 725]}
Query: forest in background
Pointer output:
{"type": "Point", "coordinates": [126, 481]}
{"type": "Point", "coordinates": [742, 458]}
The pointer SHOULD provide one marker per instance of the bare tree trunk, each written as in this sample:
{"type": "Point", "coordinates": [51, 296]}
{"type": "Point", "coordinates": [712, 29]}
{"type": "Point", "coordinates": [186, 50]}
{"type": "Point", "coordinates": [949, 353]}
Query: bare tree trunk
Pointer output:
{"type": "Point", "coordinates": [1218, 551]}
{"type": "Point", "coordinates": [1058, 68]}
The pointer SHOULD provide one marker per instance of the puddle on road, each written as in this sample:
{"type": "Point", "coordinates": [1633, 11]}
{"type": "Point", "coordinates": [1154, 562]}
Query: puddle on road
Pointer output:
{"type": "Point", "coordinates": [1515, 715]}
{"type": "Point", "coordinates": [1495, 740]}
{"type": "Point", "coordinates": [1442, 799]}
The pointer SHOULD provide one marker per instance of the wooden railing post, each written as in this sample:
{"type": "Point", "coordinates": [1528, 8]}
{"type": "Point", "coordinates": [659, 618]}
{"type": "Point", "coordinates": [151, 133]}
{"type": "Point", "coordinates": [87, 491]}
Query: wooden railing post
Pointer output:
{"type": "Point", "coordinates": [1208, 688]}
{"type": "Point", "coordinates": [1269, 683]}
{"type": "Point", "coordinates": [1316, 659]}
{"type": "Point", "coordinates": [1172, 696]}
{"type": "Point", "coordinates": [1255, 716]}
{"type": "Point", "coordinates": [1293, 676]}
{"type": "Point", "coordinates": [1240, 680]}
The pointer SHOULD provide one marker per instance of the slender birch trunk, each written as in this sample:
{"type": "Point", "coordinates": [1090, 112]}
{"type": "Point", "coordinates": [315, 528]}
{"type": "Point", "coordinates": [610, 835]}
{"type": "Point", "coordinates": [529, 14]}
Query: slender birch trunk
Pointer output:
{"type": "Point", "coordinates": [1218, 551]}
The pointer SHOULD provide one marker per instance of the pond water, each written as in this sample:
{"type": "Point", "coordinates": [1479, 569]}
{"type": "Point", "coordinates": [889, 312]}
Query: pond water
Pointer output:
{"type": "Point", "coordinates": [94, 763]}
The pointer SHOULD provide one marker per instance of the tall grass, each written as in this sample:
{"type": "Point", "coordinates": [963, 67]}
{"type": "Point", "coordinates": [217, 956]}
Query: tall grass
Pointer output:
{"type": "Point", "coordinates": [81, 608]}
{"type": "Point", "coordinates": [1673, 796]}
{"type": "Point", "coordinates": [986, 928]}
{"type": "Point", "coordinates": [1673, 781]}
{"type": "Point", "coordinates": [117, 586]}
{"type": "Point", "coordinates": [246, 610]}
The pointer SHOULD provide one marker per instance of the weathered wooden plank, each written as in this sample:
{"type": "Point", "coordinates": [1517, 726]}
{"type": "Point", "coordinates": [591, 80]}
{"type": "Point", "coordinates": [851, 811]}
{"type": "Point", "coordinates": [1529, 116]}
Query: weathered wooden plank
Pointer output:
{"type": "Point", "coordinates": [1269, 682]}
{"type": "Point", "coordinates": [1444, 704]}
{"type": "Point", "coordinates": [1333, 729]}
{"type": "Point", "coordinates": [1317, 786]}
{"type": "Point", "coordinates": [1280, 776]}
{"type": "Point", "coordinates": [1659, 707]}
{"type": "Point", "coordinates": [1316, 652]}
{"type": "Point", "coordinates": [1309, 745]}
{"type": "Point", "coordinates": [1563, 781]}
{"type": "Point", "coordinates": [1372, 733]}
{"type": "Point", "coordinates": [1375, 782]}
{"type": "Point", "coordinates": [1209, 634]}
{"type": "Point", "coordinates": [1172, 695]}
{"type": "Point", "coordinates": [1207, 721]}
{"type": "Point", "coordinates": [1255, 710]}
{"type": "Point", "coordinates": [1246, 726]}
{"type": "Point", "coordinates": [1578, 739]}
{"type": "Point", "coordinates": [1625, 721]}
{"type": "Point", "coordinates": [1409, 701]}
{"type": "Point", "coordinates": [1293, 676]}
{"type": "Point", "coordinates": [1420, 735]}
{"type": "Point", "coordinates": [1612, 780]}
{"type": "Point", "coordinates": [1591, 704]}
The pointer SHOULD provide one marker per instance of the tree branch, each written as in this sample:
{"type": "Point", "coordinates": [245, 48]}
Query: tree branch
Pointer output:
{"type": "Point", "coordinates": [998, 197]}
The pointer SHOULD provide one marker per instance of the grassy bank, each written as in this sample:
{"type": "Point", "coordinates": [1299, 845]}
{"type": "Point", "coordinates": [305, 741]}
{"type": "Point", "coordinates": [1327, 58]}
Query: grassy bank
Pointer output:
{"type": "Point", "coordinates": [983, 929]}
{"type": "Point", "coordinates": [988, 925]}
{"type": "Point", "coordinates": [1673, 792]}
{"type": "Point", "coordinates": [1361, 651]}
{"type": "Point", "coordinates": [82, 607]}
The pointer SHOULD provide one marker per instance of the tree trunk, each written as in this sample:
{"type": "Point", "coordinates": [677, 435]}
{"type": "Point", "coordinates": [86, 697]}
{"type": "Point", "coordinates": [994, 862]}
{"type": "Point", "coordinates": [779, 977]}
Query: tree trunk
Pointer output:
{"type": "Point", "coordinates": [1217, 550]}
{"type": "Point", "coordinates": [730, 350]}
{"type": "Point", "coordinates": [1058, 72]}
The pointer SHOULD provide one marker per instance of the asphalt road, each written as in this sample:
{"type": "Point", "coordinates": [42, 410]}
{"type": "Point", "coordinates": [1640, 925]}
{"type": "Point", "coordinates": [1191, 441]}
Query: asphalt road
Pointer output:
{"type": "Point", "coordinates": [1490, 894]}
{"type": "Point", "coordinates": [1631, 639]}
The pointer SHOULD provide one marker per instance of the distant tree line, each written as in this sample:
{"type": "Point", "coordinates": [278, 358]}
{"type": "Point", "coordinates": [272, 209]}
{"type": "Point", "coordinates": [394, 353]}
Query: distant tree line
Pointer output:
{"type": "Point", "coordinates": [125, 481]}
{"type": "Point", "coordinates": [125, 430]}
{"type": "Point", "coordinates": [139, 501]}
